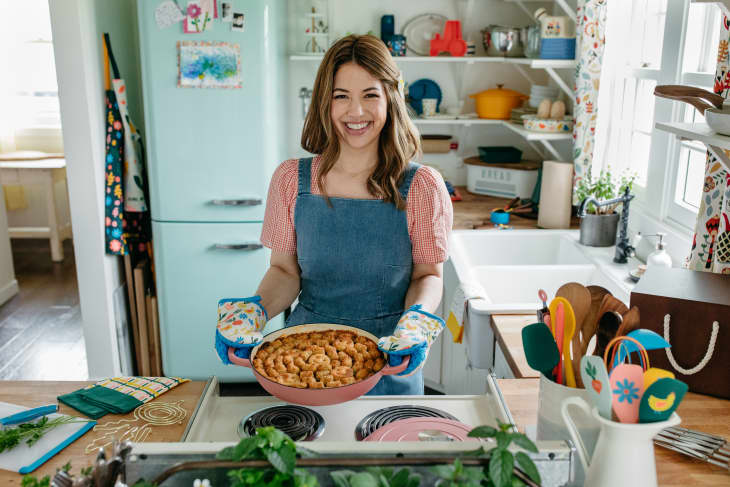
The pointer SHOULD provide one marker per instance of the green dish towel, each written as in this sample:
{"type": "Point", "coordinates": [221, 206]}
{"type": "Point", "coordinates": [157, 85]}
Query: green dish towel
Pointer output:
{"type": "Point", "coordinates": [98, 401]}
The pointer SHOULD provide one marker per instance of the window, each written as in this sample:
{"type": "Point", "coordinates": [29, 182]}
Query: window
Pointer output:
{"type": "Point", "coordinates": [656, 42]}
{"type": "Point", "coordinates": [35, 91]}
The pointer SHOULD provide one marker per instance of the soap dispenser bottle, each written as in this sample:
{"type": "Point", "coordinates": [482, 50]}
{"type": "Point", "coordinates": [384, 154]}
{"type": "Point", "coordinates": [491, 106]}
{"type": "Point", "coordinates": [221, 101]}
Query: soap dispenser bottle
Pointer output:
{"type": "Point", "coordinates": [660, 257]}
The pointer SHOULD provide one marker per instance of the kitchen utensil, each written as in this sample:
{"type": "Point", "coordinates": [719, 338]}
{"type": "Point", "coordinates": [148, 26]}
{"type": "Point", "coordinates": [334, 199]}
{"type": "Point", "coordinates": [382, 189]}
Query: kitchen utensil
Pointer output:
{"type": "Point", "coordinates": [315, 397]}
{"type": "Point", "coordinates": [705, 446]}
{"type": "Point", "coordinates": [25, 459]}
{"type": "Point", "coordinates": [630, 321]}
{"type": "Point", "coordinates": [691, 451]}
{"type": "Point", "coordinates": [595, 378]}
{"type": "Point", "coordinates": [653, 374]}
{"type": "Point", "coordinates": [661, 399]}
{"type": "Point", "coordinates": [540, 348]}
{"type": "Point", "coordinates": [567, 329]}
{"type": "Point", "coordinates": [420, 30]}
{"type": "Point", "coordinates": [624, 454]}
{"type": "Point", "coordinates": [544, 311]}
{"type": "Point", "coordinates": [496, 103]}
{"type": "Point", "coordinates": [627, 386]}
{"type": "Point", "coordinates": [423, 88]}
{"type": "Point", "coordinates": [557, 316]}
{"type": "Point", "coordinates": [608, 323]}
{"type": "Point", "coordinates": [502, 41]}
{"type": "Point", "coordinates": [716, 112]}
{"type": "Point", "coordinates": [412, 429]}
{"type": "Point", "coordinates": [579, 298]}
{"type": "Point", "coordinates": [647, 338]}
{"type": "Point", "coordinates": [30, 414]}
{"type": "Point", "coordinates": [590, 324]}
{"type": "Point", "coordinates": [543, 297]}
{"type": "Point", "coordinates": [537, 124]}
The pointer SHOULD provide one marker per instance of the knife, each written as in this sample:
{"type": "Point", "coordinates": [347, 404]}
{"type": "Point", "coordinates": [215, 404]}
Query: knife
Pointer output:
{"type": "Point", "coordinates": [25, 416]}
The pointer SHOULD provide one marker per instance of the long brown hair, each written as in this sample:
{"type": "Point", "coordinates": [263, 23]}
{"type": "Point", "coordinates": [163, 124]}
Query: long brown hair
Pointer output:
{"type": "Point", "coordinates": [399, 140]}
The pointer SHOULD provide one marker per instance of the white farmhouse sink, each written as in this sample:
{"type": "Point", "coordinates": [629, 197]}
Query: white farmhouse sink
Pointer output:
{"type": "Point", "coordinates": [511, 265]}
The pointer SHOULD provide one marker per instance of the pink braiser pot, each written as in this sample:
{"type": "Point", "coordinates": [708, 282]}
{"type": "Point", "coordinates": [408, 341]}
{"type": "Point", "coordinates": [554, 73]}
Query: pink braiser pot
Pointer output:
{"type": "Point", "coordinates": [316, 397]}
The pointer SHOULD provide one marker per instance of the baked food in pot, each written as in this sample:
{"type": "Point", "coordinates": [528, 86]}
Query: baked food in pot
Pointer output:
{"type": "Point", "coordinates": [319, 359]}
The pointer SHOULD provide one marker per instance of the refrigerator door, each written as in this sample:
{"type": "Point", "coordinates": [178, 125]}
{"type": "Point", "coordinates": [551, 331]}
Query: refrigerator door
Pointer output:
{"type": "Point", "coordinates": [196, 265]}
{"type": "Point", "coordinates": [211, 151]}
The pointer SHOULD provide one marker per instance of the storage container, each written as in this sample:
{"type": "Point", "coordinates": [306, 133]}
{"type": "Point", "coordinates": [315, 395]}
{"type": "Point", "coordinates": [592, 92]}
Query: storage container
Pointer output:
{"type": "Point", "coordinates": [435, 144]}
{"type": "Point", "coordinates": [505, 181]}
{"type": "Point", "coordinates": [500, 155]}
{"type": "Point", "coordinates": [691, 310]}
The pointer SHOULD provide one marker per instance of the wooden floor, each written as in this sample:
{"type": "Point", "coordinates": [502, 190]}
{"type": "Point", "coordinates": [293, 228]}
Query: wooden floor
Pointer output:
{"type": "Point", "coordinates": [40, 328]}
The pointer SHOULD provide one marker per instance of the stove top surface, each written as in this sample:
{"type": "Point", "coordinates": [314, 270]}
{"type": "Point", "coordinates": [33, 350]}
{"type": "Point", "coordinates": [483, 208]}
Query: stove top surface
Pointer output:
{"type": "Point", "coordinates": [218, 419]}
{"type": "Point", "coordinates": [381, 417]}
{"type": "Point", "coordinates": [300, 423]}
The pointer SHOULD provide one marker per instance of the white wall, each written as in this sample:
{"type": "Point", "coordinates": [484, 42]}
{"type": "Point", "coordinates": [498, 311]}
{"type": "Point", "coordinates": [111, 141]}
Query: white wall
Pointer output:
{"type": "Point", "coordinates": [77, 28]}
{"type": "Point", "coordinates": [8, 284]}
{"type": "Point", "coordinates": [360, 17]}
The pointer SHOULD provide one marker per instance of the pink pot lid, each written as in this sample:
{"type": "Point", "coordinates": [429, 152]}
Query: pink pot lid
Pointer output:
{"type": "Point", "coordinates": [419, 429]}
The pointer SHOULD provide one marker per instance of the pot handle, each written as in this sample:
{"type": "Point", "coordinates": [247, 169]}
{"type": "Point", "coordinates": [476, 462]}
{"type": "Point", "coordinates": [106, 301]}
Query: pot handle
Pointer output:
{"type": "Point", "coordinates": [396, 369]}
{"type": "Point", "coordinates": [243, 362]}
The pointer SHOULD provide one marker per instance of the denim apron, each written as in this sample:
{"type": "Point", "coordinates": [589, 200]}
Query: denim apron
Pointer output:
{"type": "Point", "coordinates": [356, 261]}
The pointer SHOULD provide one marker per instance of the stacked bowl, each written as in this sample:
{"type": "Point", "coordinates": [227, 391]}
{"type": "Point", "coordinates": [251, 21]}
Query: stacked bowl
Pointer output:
{"type": "Point", "coordinates": [539, 92]}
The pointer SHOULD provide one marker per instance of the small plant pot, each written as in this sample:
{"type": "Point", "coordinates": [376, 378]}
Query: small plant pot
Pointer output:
{"type": "Point", "coordinates": [599, 230]}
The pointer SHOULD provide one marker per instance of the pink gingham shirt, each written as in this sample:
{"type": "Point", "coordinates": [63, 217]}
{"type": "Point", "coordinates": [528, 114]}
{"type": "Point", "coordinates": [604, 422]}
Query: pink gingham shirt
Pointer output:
{"type": "Point", "coordinates": [428, 210]}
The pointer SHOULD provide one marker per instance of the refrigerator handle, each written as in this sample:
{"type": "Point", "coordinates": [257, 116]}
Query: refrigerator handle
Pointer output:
{"type": "Point", "coordinates": [243, 246]}
{"type": "Point", "coordinates": [242, 202]}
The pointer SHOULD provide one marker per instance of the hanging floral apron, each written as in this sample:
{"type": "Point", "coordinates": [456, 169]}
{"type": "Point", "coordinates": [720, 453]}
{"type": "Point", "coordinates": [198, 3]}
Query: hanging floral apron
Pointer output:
{"type": "Point", "coordinates": [116, 243]}
{"type": "Point", "coordinates": [711, 244]}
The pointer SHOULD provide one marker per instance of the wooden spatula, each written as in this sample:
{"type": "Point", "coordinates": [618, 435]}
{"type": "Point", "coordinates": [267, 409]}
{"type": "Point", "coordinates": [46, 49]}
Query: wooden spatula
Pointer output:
{"type": "Point", "coordinates": [630, 322]}
{"type": "Point", "coordinates": [590, 324]}
{"type": "Point", "coordinates": [608, 325]}
{"type": "Point", "coordinates": [579, 298]}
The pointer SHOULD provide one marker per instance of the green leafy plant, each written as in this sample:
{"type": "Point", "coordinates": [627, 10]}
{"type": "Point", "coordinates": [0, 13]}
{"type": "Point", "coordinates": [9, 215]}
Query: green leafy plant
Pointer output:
{"type": "Point", "coordinates": [31, 481]}
{"type": "Point", "coordinates": [605, 187]}
{"type": "Point", "coordinates": [456, 475]}
{"type": "Point", "coordinates": [278, 449]}
{"type": "Point", "coordinates": [31, 432]}
{"type": "Point", "coordinates": [376, 477]}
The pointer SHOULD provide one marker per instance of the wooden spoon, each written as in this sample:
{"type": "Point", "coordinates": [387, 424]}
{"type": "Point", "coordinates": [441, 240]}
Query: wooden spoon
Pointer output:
{"type": "Point", "coordinates": [631, 320]}
{"type": "Point", "coordinates": [608, 325]}
{"type": "Point", "coordinates": [590, 324]}
{"type": "Point", "coordinates": [579, 298]}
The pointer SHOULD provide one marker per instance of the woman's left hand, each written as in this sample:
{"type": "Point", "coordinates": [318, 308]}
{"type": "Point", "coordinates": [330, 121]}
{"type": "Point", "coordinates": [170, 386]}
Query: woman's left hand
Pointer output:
{"type": "Point", "coordinates": [414, 334]}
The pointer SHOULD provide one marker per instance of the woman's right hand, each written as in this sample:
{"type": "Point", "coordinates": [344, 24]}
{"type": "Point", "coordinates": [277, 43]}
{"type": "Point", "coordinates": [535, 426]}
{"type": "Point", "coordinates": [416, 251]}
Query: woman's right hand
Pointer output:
{"type": "Point", "coordinates": [240, 323]}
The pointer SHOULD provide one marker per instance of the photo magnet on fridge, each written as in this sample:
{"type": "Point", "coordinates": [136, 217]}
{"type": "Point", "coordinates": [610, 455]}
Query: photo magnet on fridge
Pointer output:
{"type": "Point", "coordinates": [237, 24]}
{"type": "Point", "coordinates": [226, 12]}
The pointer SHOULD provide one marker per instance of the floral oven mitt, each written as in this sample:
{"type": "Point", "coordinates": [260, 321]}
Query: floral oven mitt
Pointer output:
{"type": "Point", "coordinates": [415, 332]}
{"type": "Point", "coordinates": [240, 323]}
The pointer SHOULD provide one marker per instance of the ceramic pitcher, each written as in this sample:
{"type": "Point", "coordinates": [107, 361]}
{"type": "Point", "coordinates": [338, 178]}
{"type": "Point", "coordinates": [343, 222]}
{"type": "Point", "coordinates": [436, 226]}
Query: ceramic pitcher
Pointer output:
{"type": "Point", "coordinates": [624, 454]}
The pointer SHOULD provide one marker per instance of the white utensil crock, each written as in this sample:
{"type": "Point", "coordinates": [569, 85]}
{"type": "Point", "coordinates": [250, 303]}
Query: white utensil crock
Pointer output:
{"type": "Point", "coordinates": [624, 454]}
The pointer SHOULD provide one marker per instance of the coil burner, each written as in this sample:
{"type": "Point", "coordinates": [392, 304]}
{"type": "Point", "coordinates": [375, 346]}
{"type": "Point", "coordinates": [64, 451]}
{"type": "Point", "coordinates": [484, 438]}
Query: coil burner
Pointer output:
{"type": "Point", "coordinates": [384, 416]}
{"type": "Point", "coordinates": [300, 423]}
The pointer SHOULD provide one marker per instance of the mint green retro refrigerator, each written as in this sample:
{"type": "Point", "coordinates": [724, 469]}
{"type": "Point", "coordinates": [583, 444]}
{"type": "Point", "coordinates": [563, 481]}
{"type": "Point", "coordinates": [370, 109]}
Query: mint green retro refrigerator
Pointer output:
{"type": "Point", "coordinates": [210, 156]}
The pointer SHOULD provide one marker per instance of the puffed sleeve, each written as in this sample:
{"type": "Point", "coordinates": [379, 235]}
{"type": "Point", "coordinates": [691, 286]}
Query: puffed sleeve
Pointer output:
{"type": "Point", "coordinates": [430, 217]}
{"type": "Point", "coordinates": [278, 233]}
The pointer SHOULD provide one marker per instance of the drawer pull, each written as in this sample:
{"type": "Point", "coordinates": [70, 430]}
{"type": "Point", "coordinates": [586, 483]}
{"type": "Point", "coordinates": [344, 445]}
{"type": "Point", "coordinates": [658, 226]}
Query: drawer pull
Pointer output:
{"type": "Point", "coordinates": [241, 202]}
{"type": "Point", "coordinates": [244, 246]}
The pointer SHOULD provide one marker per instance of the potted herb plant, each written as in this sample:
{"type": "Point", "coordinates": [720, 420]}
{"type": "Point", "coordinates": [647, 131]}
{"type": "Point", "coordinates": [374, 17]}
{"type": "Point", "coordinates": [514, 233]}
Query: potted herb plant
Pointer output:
{"type": "Point", "coordinates": [598, 226]}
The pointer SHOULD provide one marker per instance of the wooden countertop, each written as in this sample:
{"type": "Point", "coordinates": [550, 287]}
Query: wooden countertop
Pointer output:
{"type": "Point", "coordinates": [697, 412]}
{"type": "Point", "coordinates": [38, 393]}
{"type": "Point", "coordinates": [474, 209]}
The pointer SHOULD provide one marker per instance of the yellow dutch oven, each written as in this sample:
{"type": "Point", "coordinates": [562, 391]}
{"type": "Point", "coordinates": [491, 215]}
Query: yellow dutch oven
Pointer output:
{"type": "Point", "coordinates": [497, 103]}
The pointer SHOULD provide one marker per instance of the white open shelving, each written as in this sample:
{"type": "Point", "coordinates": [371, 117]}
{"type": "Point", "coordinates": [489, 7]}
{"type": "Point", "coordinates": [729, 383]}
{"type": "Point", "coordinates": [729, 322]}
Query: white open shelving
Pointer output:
{"type": "Point", "coordinates": [716, 143]}
{"type": "Point", "coordinates": [528, 62]}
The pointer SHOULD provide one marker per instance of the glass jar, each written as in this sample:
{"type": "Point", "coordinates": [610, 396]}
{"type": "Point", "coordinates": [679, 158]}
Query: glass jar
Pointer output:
{"type": "Point", "coordinates": [530, 38]}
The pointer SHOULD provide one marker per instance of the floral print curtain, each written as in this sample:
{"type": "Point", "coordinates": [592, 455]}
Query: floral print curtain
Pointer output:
{"type": "Point", "coordinates": [590, 32]}
{"type": "Point", "coordinates": [711, 244]}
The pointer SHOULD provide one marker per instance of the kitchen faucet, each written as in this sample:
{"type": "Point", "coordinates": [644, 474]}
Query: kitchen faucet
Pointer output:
{"type": "Point", "coordinates": [623, 249]}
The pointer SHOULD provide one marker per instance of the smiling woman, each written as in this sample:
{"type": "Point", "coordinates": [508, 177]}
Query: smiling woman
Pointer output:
{"type": "Point", "coordinates": [358, 233]}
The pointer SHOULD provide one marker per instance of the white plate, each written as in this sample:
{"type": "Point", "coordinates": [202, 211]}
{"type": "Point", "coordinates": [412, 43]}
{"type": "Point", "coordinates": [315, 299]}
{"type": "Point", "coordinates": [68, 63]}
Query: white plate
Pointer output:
{"type": "Point", "coordinates": [420, 30]}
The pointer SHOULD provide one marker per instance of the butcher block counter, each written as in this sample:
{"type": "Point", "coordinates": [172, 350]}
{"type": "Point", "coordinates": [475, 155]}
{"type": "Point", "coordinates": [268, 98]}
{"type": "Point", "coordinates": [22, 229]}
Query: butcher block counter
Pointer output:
{"type": "Point", "coordinates": [472, 213]}
{"type": "Point", "coordinates": [697, 412]}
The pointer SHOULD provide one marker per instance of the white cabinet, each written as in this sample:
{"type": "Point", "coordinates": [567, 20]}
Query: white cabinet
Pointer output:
{"type": "Point", "coordinates": [8, 284]}
{"type": "Point", "coordinates": [501, 367]}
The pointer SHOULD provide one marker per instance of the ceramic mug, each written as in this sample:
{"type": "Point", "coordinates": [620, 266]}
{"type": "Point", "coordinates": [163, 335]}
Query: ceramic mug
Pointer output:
{"type": "Point", "coordinates": [429, 106]}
